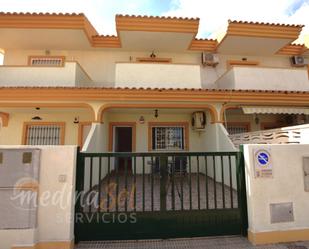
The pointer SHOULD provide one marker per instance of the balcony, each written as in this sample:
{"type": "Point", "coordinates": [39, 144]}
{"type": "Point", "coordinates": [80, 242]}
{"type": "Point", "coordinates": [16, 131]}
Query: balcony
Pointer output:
{"type": "Point", "coordinates": [71, 74]}
{"type": "Point", "coordinates": [264, 78]}
{"type": "Point", "coordinates": [157, 75]}
{"type": "Point", "coordinates": [287, 135]}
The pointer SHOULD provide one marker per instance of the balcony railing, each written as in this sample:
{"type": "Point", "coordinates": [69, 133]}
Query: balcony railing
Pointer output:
{"type": "Point", "coordinates": [287, 135]}
{"type": "Point", "coordinates": [71, 74]}
{"type": "Point", "coordinates": [264, 78]}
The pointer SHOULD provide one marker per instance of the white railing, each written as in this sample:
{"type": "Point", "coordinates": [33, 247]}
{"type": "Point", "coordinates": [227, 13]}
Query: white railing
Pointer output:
{"type": "Point", "coordinates": [287, 135]}
{"type": "Point", "coordinates": [157, 75]}
{"type": "Point", "coordinates": [264, 78]}
{"type": "Point", "coordinates": [70, 75]}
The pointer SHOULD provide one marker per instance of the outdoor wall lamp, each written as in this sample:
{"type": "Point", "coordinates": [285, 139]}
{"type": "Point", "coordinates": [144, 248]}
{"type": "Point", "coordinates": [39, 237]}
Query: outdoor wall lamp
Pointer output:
{"type": "Point", "coordinates": [141, 120]}
{"type": "Point", "coordinates": [152, 55]}
{"type": "Point", "coordinates": [76, 120]}
{"type": "Point", "coordinates": [156, 113]}
{"type": "Point", "coordinates": [36, 118]}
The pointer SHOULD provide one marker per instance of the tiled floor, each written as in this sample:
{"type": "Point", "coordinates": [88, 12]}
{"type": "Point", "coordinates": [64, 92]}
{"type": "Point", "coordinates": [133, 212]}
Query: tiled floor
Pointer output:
{"type": "Point", "coordinates": [234, 242]}
{"type": "Point", "coordinates": [217, 194]}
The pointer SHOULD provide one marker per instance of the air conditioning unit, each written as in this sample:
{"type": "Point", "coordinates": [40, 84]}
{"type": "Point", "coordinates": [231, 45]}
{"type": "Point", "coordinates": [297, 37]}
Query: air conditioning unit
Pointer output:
{"type": "Point", "coordinates": [198, 120]}
{"type": "Point", "coordinates": [298, 61]}
{"type": "Point", "coordinates": [209, 59]}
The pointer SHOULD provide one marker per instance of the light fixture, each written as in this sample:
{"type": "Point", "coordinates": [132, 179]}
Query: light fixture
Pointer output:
{"type": "Point", "coordinates": [141, 120]}
{"type": "Point", "coordinates": [152, 55]}
{"type": "Point", "coordinates": [156, 113]}
{"type": "Point", "coordinates": [76, 120]}
{"type": "Point", "coordinates": [36, 118]}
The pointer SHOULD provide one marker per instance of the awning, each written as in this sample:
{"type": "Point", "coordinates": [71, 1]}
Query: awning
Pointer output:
{"type": "Point", "coordinates": [275, 110]}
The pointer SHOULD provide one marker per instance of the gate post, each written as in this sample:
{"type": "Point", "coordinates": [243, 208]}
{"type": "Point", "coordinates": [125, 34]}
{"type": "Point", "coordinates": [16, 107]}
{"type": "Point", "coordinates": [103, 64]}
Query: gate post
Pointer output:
{"type": "Point", "coordinates": [163, 181]}
{"type": "Point", "coordinates": [241, 190]}
{"type": "Point", "coordinates": [79, 187]}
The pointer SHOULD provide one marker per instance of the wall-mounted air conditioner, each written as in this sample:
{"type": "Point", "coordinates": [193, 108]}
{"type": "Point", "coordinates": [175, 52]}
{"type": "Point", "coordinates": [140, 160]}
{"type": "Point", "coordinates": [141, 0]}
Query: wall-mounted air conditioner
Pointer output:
{"type": "Point", "coordinates": [297, 61]}
{"type": "Point", "coordinates": [198, 120]}
{"type": "Point", "coordinates": [209, 59]}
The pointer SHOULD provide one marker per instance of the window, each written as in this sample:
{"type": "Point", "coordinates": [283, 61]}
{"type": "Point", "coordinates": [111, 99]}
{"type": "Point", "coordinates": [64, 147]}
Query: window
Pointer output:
{"type": "Point", "coordinates": [236, 128]}
{"type": "Point", "coordinates": [168, 138]}
{"type": "Point", "coordinates": [46, 61]}
{"type": "Point", "coordinates": [44, 134]}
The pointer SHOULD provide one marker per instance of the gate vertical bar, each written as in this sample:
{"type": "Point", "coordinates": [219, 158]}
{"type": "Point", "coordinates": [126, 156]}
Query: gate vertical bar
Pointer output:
{"type": "Point", "coordinates": [231, 182]}
{"type": "Point", "coordinates": [198, 184]}
{"type": "Point", "coordinates": [206, 182]}
{"type": "Point", "coordinates": [223, 185]}
{"type": "Point", "coordinates": [163, 180]}
{"type": "Point", "coordinates": [215, 181]}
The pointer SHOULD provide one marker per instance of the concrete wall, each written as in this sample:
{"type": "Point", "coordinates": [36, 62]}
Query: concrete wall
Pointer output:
{"type": "Point", "coordinates": [265, 79]}
{"type": "Point", "coordinates": [69, 75]}
{"type": "Point", "coordinates": [101, 65]}
{"type": "Point", "coordinates": [55, 227]}
{"type": "Point", "coordinates": [160, 75]}
{"type": "Point", "coordinates": [286, 185]}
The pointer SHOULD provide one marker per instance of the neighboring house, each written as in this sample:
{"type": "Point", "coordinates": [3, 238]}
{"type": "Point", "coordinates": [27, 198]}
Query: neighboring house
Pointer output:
{"type": "Point", "coordinates": [154, 87]}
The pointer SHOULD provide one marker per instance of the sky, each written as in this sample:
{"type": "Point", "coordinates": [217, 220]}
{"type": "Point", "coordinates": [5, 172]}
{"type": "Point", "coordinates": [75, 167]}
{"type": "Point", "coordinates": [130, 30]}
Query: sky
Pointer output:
{"type": "Point", "coordinates": [213, 14]}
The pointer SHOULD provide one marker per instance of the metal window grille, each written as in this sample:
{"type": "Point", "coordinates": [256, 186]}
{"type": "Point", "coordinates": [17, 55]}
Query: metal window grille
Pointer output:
{"type": "Point", "coordinates": [168, 138]}
{"type": "Point", "coordinates": [43, 135]}
{"type": "Point", "coordinates": [47, 61]}
{"type": "Point", "coordinates": [236, 129]}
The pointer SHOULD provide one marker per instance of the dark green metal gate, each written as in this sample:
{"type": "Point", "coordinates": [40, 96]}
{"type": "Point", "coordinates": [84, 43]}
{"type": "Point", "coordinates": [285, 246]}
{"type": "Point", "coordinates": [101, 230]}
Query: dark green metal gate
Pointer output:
{"type": "Point", "coordinates": [159, 195]}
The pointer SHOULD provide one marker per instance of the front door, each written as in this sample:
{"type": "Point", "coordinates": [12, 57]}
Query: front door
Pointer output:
{"type": "Point", "coordinates": [123, 143]}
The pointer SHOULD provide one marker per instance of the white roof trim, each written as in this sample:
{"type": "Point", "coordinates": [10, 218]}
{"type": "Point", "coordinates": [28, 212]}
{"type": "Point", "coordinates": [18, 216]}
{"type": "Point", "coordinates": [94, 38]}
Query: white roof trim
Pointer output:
{"type": "Point", "coordinates": [275, 110]}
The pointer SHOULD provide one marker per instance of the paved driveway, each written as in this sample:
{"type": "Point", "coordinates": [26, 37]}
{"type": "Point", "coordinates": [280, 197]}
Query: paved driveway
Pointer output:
{"type": "Point", "coordinates": [235, 242]}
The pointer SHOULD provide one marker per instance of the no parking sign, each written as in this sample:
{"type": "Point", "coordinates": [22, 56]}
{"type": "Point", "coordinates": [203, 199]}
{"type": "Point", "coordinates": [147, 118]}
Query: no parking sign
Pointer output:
{"type": "Point", "coordinates": [262, 163]}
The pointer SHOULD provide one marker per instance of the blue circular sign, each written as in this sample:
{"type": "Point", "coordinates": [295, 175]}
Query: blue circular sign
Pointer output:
{"type": "Point", "coordinates": [263, 158]}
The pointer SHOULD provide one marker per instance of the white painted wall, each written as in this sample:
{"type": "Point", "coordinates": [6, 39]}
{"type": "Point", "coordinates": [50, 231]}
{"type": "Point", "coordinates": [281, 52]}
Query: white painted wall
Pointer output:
{"type": "Point", "coordinates": [55, 222]}
{"type": "Point", "coordinates": [225, 143]}
{"type": "Point", "coordinates": [287, 185]}
{"type": "Point", "coordinates": [69, 75]}
{"type": "Point", "coordinates": [162, 75]}
{"type": "Point", "coordinates": [263, 78]}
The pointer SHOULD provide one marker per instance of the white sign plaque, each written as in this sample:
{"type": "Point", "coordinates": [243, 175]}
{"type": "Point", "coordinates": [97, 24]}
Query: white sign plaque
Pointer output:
{"type": "Point", "coordinates": [263, 167]}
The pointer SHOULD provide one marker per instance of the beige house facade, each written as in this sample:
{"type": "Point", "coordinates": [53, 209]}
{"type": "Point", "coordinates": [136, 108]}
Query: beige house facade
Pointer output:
{"type": "Point", "coordinates": [154, 87]}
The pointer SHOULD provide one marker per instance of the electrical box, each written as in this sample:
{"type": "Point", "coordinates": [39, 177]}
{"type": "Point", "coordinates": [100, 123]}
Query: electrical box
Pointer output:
{"type": "Point", "coordinates": [281, 212]}
{"type": "Point", "coordinates": [19, 178]}
{"type": "Point", "coordinates": [16, 164]}
{"type": "Point", "coordinates": [306, 173]}
{"type": "Point", "coordinates": [198, 120]}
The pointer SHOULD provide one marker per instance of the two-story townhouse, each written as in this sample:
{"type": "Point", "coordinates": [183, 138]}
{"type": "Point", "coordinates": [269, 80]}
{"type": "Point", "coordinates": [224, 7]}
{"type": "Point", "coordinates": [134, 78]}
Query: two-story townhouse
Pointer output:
{"type": "Point", "coordinates": [154, 88]}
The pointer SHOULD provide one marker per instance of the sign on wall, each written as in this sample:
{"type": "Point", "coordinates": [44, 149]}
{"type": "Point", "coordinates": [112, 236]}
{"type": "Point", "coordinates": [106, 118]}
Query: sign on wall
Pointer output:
{"type": "Point", "coordinates": [263, 167]}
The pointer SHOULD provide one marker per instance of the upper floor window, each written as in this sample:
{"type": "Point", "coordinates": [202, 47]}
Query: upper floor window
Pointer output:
{"type": "Point", "coordinates": [46, 61]}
